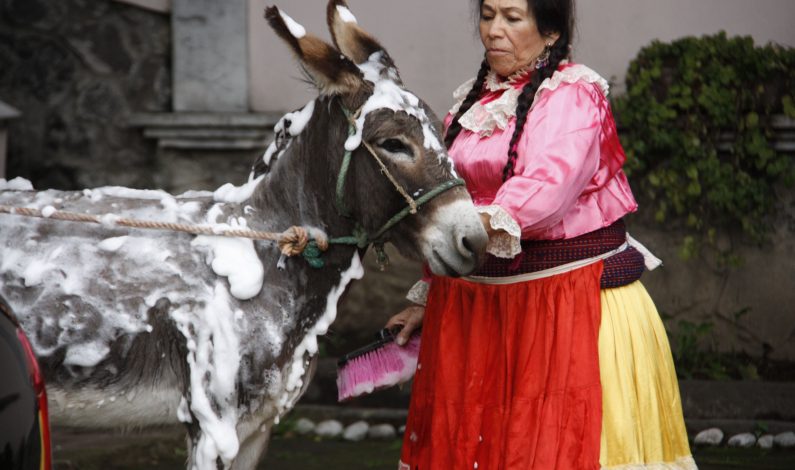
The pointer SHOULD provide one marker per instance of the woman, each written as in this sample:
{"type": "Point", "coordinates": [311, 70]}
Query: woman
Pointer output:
{"type": "Point", "coordinates": [552, 356]}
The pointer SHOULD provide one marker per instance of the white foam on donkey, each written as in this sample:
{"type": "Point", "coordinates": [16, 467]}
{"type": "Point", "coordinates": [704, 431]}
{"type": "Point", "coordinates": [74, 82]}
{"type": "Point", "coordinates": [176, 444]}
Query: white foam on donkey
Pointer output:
{"type": "Point", "coordinates": [296, 29]}
{"type": "Point", "coordinates": [345, 14]}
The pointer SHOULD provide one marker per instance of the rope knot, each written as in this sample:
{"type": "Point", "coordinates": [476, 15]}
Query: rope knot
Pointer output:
{"type": "Point", "coordinates": [361, 236]}
{"type": "Point", "coordinates": [296, 241]}
{"type": "Point", "coordinates": [293, 241]}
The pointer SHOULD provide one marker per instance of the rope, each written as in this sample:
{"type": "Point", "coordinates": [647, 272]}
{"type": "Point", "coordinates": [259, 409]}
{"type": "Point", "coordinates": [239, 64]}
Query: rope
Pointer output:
{"type": "Point", "coordinates": [291, 242]}
{"type": "Point", "coordinates": [400, 189]}
{"type": "Point", "coordinates": [346, 162]}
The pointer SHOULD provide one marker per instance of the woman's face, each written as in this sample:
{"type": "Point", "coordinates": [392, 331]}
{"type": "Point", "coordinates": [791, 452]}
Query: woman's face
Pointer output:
{"type": "Point", "coordinates": [509, 33]}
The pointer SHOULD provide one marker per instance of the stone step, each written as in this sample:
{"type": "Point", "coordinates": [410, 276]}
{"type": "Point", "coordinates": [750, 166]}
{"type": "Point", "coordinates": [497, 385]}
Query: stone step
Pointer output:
{"type": "Point", "coordinates": [749, 401]}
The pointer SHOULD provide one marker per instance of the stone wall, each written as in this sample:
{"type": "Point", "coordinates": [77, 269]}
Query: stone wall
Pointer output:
{"type": "Point", "coordinates": [77, 69]}
{"type": "Point", "coordinates": [751, 306]}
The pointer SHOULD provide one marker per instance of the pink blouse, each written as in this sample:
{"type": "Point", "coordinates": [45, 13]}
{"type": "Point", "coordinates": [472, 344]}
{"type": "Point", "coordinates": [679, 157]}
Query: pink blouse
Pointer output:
{"type": "Point", "coordinates": [568, 179]}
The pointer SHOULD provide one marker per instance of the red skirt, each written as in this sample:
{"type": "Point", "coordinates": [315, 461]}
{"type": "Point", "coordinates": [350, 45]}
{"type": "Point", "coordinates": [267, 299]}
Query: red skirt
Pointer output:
{"type": "Point", "coordinates": [508, 376]}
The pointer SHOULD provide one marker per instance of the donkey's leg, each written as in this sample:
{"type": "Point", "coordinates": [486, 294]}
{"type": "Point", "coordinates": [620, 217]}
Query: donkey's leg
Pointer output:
{"type": "Point", "coordinates": [195, 460]}
{"type": "Point", "coordinates": [192, 444]}
{"type": "Point", "coordinates": [252, 449]}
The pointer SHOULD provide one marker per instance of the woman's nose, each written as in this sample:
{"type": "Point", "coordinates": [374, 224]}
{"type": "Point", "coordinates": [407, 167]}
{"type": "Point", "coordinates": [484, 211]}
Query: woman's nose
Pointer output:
{"type": "Point", "coordinates": [496, 28]}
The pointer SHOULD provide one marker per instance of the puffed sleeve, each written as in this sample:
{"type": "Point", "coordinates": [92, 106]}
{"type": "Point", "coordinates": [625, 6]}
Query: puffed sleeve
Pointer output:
{"type": "Point", "coordinates": [558, 154]}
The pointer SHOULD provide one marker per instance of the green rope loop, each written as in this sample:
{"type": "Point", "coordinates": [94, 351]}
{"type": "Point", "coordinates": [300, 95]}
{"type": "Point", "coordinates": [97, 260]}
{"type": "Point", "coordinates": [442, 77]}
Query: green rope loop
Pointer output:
{"type": "Point", "coordinates": [312, 255]}
{"type": "Point", "coordinates": [422, 200]}
{"type": "Point", "coordinates": [359, 238]}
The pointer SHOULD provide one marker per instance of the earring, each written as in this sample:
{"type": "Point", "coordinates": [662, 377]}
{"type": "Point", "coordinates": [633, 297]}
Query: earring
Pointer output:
{"type": "Point", "coordinates": [543, 60]}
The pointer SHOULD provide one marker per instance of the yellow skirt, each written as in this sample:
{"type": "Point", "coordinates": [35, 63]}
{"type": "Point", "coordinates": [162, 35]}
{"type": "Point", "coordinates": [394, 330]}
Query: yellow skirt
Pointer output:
{"type": "Point", "coordinates": [642, 423]}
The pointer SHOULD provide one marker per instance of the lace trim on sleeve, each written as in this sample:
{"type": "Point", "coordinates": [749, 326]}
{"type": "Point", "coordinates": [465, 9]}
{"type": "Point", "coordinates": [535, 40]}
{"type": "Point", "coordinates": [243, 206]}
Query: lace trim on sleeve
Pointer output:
{"type": "Point", "coordinates": [505, 244]}
{"type": "Point", "coordinates": [418, 293]}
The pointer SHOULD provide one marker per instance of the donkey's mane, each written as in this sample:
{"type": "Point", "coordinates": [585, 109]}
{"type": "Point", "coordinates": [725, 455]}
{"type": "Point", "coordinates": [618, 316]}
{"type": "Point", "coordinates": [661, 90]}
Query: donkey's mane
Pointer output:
{"type": "Point", "coordinates": [282, 138]}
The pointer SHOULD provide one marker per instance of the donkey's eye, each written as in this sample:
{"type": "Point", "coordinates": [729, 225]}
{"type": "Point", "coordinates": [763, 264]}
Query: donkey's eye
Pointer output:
{"type": "Point", "coordinates": [395, 146]}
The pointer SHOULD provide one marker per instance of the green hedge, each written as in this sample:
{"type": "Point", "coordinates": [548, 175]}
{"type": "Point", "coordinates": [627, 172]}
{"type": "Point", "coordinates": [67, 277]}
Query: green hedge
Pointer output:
{"type": "Point", "coordinates": [681, 98]}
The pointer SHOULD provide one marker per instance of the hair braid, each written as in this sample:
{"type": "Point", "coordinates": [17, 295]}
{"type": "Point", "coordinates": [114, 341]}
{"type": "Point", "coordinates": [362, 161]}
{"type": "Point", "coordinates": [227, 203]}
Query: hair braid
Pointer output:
{"type": "Point", "coordinates": [525, 101]}
{"type": "Point", "coordinates": [474, 93]}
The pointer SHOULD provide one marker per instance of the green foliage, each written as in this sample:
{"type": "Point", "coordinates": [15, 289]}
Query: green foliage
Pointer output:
{"type": "Point", "coordinates": [697, 130]}
{"type": "Point", "coordinates": [693, 358]}
{"type": "Point", "coordinates": [693, 345]}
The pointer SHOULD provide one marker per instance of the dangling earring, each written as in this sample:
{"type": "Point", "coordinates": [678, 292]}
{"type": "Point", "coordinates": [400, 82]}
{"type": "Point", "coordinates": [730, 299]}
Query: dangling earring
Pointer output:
{"type": "Point", "coordinates": [543, 60]}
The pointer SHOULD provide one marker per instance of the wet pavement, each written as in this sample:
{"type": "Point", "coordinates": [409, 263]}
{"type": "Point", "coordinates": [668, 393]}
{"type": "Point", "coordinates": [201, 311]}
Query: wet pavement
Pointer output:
{"type": "Point", "coordinates": [165, 450]}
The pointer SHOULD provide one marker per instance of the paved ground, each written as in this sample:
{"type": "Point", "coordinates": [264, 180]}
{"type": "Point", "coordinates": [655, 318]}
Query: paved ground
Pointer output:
{"type": "Point", "coordinates": [164, 450]}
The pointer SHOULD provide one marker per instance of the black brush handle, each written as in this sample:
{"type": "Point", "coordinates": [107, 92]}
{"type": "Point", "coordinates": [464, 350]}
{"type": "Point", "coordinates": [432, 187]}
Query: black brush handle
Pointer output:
{"type": "Point", "coordinates": [383, 337]}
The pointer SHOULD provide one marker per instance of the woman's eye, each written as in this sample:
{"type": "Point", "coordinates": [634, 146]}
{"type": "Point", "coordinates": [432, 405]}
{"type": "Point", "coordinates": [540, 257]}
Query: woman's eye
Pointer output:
{"type": "Point", "coordinates": [395, 146]}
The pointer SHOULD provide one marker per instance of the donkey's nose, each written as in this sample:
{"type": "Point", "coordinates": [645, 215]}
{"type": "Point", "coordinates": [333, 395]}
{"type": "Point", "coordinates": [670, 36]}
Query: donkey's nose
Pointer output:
{"type": "Point", "coordinates": [471, 244]}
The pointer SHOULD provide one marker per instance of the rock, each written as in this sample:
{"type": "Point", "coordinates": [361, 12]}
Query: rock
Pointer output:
{"type": "Point", "coordinates": [765, 442]}
{"type": "Point", "coordinates": [709, 437]}
{"type": "Point", "coordinates": [785, 439]}
{"type": "Point", "coordinates": [329, 428]}
{"type": "Point", "coordinates": [382, 431]}
{"type": "Point", "coordinates": [745, 439]}
{"type": "Point", "coordinates": [304, 426]}
{"type": "Point", "coordinates": [356, 431]}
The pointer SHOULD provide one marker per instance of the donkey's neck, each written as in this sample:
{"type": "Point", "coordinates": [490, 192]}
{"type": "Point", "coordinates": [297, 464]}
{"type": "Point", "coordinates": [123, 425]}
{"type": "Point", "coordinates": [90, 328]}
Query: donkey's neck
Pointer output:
{"type": "Point", "coordinates": [300, 187]}
{"type": "Point", "coordinates": [299, 190]}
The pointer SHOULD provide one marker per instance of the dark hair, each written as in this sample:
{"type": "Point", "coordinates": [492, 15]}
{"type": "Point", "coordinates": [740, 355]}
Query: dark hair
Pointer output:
{"type": "Point", "coordinates": [551, 16]}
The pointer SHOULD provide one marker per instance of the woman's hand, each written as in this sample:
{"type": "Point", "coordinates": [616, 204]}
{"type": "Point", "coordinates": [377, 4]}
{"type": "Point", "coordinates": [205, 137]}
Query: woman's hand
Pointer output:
{"type": "Point", "coordinates": [410, 318]}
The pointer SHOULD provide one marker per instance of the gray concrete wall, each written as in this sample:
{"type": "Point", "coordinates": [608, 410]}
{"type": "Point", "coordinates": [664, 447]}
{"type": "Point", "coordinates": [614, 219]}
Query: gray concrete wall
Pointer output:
{"type": "Point", "coordinates": [434, 42]}
{"type": "Point", "coordinates": [210, 55]}
{"type": "Point", "coordinates": [612, 31]}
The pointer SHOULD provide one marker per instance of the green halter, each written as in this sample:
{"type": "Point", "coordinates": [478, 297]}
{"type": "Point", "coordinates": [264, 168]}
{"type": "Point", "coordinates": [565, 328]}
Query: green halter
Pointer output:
{"type": "Point", "coordinates": [360, 238]}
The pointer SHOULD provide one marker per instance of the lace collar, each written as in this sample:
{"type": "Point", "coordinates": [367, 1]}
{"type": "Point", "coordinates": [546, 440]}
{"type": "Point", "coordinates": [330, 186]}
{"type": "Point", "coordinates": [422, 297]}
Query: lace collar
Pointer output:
{"type": "Point", "coordinates": [484, 118]}
{"type": "Point", "coordinates": [493, 82]}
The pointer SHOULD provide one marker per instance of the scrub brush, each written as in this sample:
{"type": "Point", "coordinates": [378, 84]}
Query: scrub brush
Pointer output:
{"type": "Point", "coordinates": [378, 365]}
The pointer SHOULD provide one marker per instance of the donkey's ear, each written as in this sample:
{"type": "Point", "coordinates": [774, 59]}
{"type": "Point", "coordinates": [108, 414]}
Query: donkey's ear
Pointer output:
{"type": "Point", "coordinates": [349, 38]}
{"type": "Point", "coordinates": [333, 73]}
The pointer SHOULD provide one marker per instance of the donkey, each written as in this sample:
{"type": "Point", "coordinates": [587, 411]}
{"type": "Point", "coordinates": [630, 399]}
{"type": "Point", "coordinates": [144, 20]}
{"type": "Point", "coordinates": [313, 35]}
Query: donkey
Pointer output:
{"type": "Point", "coordinates": [136, 328]}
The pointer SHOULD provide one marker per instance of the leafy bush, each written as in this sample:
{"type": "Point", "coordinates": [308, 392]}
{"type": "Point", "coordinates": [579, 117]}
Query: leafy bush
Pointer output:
{"type": "Point", "coordinates": [696, 121]}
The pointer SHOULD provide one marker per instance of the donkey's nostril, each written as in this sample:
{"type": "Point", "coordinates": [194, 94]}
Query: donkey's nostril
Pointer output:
{"type": "Point", "coordinates": [466, 243]}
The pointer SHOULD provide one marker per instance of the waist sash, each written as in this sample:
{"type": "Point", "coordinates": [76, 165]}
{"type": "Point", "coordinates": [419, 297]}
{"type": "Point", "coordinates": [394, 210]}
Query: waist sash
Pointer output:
{"type": "Point", "coordinates": [623, 263]}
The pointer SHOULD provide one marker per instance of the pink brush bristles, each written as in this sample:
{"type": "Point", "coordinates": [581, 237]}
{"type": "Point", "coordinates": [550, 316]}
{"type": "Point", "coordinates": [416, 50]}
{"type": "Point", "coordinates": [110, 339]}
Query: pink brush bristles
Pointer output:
{"type": "Point", "coordinates": [378, 366]}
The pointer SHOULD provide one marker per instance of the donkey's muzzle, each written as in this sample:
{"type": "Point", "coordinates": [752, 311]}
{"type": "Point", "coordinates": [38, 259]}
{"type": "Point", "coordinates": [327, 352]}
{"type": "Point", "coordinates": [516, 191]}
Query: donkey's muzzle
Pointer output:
{"type": "Point", "coordinates": [455, 240]}
{"type": "Point", "coordinates": [471, 245]}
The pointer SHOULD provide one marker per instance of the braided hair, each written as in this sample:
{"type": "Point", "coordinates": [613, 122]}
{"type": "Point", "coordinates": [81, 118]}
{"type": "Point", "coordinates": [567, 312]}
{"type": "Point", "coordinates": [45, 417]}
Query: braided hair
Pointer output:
{"type": "Point", "coordinates": [474, 93]}
{"type": "Point", "coordinates": [551, 16]}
